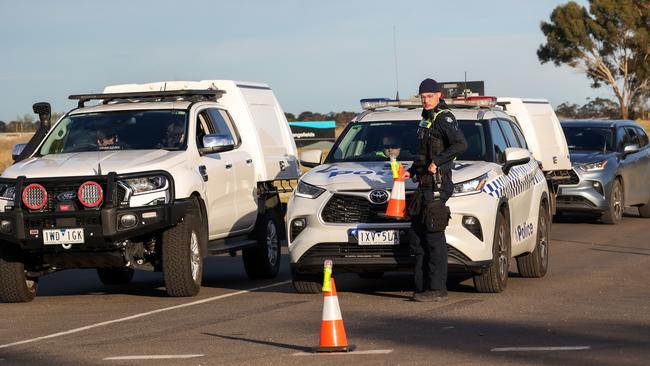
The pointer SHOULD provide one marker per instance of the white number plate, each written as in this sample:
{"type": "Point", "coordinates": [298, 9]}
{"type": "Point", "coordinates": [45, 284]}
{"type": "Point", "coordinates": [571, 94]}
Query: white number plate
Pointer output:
{"type": "Point", "coordinates": [63, 236]}
{"type": "Point", "coordinates": [378, 237]}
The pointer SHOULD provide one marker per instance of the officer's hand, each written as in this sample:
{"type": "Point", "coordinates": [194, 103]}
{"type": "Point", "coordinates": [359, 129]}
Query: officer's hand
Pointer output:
{"type": "Point", "coordinates": [406, 175]}
{"type": "Point", "coordinates": [433, 168]}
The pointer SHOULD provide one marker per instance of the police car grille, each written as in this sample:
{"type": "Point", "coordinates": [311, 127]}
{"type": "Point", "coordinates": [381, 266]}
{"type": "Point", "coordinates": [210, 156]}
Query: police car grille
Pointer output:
{"type": "Point", "coordinates": [344, 209]}
{"type": "Point", "coordinates": [355, 250]}
{"type": "Point", "coordinates": [573, 177]}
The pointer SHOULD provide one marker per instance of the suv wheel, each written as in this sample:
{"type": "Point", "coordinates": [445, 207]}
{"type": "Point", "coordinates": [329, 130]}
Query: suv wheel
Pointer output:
{"type": "Point", "coordinates": [614, 213]}
{"type": "Point", "coordinates": [182, 257]}
{"type": "Point", "coordinates": [15, 286]}
{"type": "Point", "coordinates": [495, 278]}
{"type": "Point", "coordinates": [306, 283]}
{"type": "Point", "coordinates": [263, 260]}
{"type": "Point", "coordinates": [535, 264]}
{"type": "Point", "coordinates": [115, 275]}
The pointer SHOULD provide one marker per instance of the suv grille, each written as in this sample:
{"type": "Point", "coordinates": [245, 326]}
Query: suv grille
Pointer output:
{"type": "Point", "coordinates": [343, 209]}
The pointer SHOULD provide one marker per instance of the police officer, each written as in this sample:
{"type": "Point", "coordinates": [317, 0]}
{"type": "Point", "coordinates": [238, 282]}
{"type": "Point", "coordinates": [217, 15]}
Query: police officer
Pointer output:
{"type": "Point", "coordinates": [439, 142]}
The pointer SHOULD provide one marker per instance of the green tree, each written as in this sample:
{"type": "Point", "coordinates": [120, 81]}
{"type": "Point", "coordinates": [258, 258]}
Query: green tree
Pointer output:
{"type": "Point", "coordinates": [610, 43]}
{"type": "Point", "coordinates": [290, 117]}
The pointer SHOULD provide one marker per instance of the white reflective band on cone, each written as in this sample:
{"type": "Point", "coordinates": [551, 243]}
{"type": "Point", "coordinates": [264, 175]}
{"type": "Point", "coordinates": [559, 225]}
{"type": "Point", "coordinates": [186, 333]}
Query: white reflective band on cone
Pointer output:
{"type": "Point", "coordinates": [331, 310]}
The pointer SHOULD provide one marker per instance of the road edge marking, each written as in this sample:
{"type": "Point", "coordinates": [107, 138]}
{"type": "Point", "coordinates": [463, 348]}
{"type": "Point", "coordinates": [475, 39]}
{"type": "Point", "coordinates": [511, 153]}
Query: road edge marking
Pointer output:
{"type": "Point", "coordinates": [141, 315]}
{"type": "Point", "coordinates": [538, 349]}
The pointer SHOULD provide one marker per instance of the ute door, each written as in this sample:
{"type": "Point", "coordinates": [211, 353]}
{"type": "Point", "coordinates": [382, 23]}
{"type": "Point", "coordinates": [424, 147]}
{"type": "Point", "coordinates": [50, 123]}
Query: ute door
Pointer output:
{"type": "Point", "coordinates": [243, 174]}
{"type": "Point", "coordinates": [217, 169]}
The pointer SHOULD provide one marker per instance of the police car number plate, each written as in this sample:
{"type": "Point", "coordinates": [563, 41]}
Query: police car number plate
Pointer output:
{"type": "Point", "coordinates": [378, 237]}
{"type": "Point", "coordinates": [63, 236]}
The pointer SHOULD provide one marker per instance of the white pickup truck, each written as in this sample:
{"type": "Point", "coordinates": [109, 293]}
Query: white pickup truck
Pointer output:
{"type": "Point", "coordinates": [155, 176]}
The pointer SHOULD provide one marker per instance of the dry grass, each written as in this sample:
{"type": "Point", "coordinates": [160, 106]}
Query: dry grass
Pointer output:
{"type": "Point", "coordinates": [645, 124]}
{"type": "Point", "coordinates": [7, 142]}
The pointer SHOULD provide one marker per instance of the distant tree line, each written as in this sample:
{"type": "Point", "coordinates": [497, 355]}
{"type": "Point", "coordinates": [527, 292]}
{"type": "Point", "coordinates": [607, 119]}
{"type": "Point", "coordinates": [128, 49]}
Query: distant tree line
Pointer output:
{"type": "Point", "coordinates": [341, 118]}
{"type": "Point", "coordinates": [598, 108]}
{"type": "Point", "coordinates": [26, 123]}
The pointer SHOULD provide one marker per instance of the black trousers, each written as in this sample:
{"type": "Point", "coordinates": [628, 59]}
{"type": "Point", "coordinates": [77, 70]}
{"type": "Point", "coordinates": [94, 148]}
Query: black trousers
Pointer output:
{"type": "Point", "coordinates": [430, 258]}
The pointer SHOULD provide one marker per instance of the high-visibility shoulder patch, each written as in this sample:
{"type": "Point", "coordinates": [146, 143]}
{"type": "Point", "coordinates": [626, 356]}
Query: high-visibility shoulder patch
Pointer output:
{"type": "Point", "coordinates": [425, 123]}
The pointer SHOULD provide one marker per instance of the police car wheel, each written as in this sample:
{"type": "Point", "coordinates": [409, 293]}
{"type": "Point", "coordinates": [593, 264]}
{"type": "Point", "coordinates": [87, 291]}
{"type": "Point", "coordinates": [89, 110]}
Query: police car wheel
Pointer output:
{"type": "Point", "coordinates": [263, 260]}
{"type": "Point", "coordinates": [182, 257]}
{"type": "Point", "coordinates": [115, 276]}
{"type": "Point", "coordinates": [495, 277]}
{"type": "Point", "coordinates": [15, 286]}
{"type": "Point", "coordinates": [614, 213]}
{"type": "Point", "coordinates": [306, 283]}
{"type": "Point", "coordinates": [535, 264]}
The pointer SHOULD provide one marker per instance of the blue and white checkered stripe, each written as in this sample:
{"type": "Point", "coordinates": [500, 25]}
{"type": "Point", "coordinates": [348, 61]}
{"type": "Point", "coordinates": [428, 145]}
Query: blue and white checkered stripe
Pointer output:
{"type": "Point", "coordinates": [518, 180]}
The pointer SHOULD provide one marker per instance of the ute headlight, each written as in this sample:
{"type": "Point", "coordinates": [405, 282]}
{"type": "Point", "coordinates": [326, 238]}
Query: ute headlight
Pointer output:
{"type": "Point", "coordinates": [308, 191]}
{"type": "Point", "coordinates": [599, 165]}
{"type": "Point", "coordinates": [146, 191]}
{"type": "Point", "coordinates": [7, 191]}
{"type": "Point", "coordinates": [470, 186]}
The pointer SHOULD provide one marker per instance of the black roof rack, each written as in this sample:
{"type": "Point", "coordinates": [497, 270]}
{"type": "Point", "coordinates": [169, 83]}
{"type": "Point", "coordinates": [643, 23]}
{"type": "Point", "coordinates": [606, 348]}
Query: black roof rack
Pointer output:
{"type": "Point", "coordinates": [201, 94]}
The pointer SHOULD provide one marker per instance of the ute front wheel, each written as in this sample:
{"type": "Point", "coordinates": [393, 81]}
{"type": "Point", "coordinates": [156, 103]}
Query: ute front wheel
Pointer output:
{"type": "Point", "coordinates": [15, 286]}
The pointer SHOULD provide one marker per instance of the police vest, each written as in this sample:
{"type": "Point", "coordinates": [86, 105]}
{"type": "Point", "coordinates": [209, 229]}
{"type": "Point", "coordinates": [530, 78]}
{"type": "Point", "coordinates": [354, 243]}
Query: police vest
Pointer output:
{"type": "Point", "coordinates": [429, 143]}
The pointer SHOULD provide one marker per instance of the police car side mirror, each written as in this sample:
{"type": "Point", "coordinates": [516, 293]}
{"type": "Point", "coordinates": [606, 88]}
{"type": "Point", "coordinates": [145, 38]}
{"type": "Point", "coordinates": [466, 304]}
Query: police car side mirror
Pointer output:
{"type": "Point", "coordinates": [311, 158]}
{"type": "Point", "coordinates": [515, 156]}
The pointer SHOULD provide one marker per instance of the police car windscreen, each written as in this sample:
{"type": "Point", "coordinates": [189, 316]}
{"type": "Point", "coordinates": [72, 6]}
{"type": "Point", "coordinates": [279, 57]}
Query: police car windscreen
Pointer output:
{"type": "Point", "coordinates": [118, 130]}
{"type": "Point", "coordinates": [589, 138]}
{"type": "Point", "coordinates": [377, 141]}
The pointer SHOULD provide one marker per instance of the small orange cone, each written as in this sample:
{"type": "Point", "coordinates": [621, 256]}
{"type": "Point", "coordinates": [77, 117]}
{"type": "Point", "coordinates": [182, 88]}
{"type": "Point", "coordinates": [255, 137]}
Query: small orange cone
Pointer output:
{"type": "Point", "coordinates": [332, 331]}
{"type": "Point", "coordinates": [397, 202]}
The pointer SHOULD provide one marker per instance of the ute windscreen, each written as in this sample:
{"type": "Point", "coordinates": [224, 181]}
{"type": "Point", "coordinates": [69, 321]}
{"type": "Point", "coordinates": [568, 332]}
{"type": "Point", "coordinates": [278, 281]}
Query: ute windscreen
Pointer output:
{"type": "Point", "coordinates": [118, 130]}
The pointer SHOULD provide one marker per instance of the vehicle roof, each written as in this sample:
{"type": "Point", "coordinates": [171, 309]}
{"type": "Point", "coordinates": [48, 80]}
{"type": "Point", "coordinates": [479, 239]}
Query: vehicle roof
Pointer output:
{"type": "Point", "coordinates": [598, 123]}
{"type": "Point", "coordinates": [131, 106]}
{"type": "Point", "coordinates": [415, 114]}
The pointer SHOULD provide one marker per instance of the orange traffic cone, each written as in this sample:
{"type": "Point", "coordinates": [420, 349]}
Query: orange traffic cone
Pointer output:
{"type": "Point", "coordinates": [332, 331]}
{"type": "Point", "coordinates": [397, 203]}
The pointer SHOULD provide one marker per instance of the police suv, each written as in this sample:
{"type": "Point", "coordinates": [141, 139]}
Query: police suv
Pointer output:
{"type": "Point", "coordinates": [500, 208]}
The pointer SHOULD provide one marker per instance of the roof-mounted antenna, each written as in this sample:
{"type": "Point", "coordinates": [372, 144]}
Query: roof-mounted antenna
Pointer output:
{"type": "Point", "coordinates": [396, 69]}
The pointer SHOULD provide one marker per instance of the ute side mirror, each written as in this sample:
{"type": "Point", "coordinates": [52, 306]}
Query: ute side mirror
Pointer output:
{"type": "Point", "coordinates": [44, 111]}
{"type": "Point", "coordinates": [515, 156]}
{"type": "Point", "coordinates": [17, 150]}
{"type": "Point", "coordinates": [311, 158]}
{"type": "Point", "coordinates": [216, 144]}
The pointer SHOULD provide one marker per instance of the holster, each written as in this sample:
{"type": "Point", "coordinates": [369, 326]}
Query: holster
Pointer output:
{"type": "Point", "coordinates": [436, 215]}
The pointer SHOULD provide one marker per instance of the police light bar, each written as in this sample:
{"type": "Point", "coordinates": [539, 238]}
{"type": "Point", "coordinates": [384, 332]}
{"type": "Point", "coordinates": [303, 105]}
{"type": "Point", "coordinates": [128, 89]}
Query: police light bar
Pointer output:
{"type": "Point", "coordinates": [476, 101]}
{"type": "Point", "coordinates": [374, 103]}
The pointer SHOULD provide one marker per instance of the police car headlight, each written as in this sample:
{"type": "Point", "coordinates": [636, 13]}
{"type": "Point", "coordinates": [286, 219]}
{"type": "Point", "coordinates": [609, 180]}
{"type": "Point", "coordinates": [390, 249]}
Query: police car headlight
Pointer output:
{"type": "Point", "coordinates": [591, 167]}
{"type": "Point", "coordinates": [470, 186]}
{"type": "Point", "coordinates": [146, 191]}
{"type": "Point", "coordinates": [308, 191]}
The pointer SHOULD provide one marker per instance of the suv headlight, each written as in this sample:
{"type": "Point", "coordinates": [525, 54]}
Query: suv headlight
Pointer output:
{"type": "Point", "coordinates": [470, 186]}
{"type": "Point", "coordinates": [146, 191]}
{"type": "Point", "coordinates": [308, 191]}
{"type": "Point", "coordinates": [599, 165]}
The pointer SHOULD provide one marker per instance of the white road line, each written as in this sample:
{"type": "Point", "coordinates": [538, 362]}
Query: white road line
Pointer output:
{"type": "Point", "coordinates": [136, 316]}
{"type": "Point", "coordinates": [150, 357]}
{"type": "Point", "coordinates": [537, 349]}
{"type": "Point", "coordinates": [368, 352]}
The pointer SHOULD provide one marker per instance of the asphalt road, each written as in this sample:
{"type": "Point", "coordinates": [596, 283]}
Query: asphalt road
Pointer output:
{"type": "Point", "coordinates": [593, 308]}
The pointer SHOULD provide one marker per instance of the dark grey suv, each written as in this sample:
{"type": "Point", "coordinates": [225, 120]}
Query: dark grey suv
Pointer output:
{"type": "Point", "coordinates": [612, 160]}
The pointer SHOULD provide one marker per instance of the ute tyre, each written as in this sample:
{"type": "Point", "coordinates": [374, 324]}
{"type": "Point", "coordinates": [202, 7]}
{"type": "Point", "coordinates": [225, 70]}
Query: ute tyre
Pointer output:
{"type": "Point", "coordinates": [263, 260]}
{"type": "Point", "coordinates": [614, 213]}
{"type": "Point", "coordinates": [115, 275]}
{"type": "Point", "coordinates": [495, 278]}
{"type": "Point", "coordinates": [535, 264]}
{"type": "Point", "coordinates": [306, 283]}
{"type": "Point", "coordinates": [182, 256]}
{"type": "Point", "coordinates": [15, 286]}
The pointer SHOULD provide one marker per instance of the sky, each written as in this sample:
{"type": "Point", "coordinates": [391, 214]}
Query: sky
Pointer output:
{"type": "Point", "coordinates": [317, 56]}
